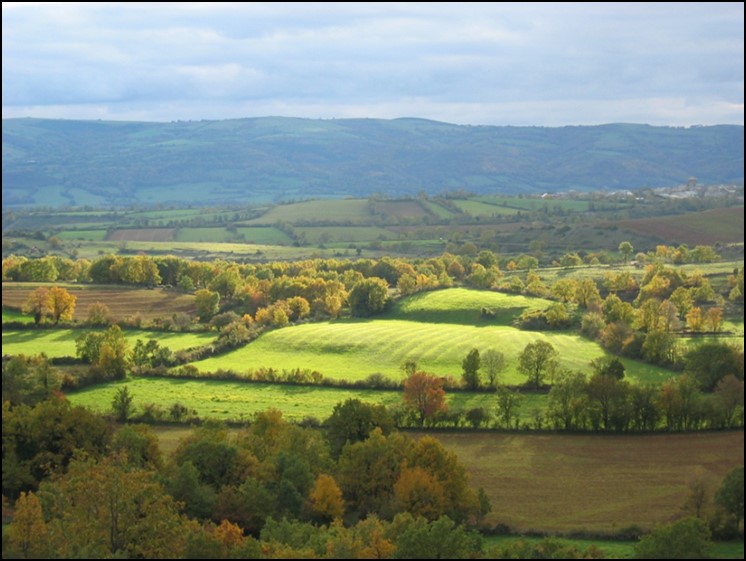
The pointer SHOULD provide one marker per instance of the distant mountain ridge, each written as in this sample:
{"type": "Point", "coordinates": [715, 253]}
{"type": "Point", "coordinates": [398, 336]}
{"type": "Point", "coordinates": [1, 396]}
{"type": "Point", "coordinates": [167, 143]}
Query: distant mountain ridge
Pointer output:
{"type": "Point", "coordinates": [268, 159]}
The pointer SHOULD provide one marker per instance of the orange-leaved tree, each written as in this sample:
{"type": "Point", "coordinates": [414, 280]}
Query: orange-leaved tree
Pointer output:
{"type": "Point", "coordinates": [424, 394]}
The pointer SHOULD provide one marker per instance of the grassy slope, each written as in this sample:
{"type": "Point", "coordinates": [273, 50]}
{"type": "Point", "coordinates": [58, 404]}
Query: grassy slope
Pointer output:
{"type": "Point", "coordinates": [61, 342]}
{"type": "Point", "coordinates": [437, 329]}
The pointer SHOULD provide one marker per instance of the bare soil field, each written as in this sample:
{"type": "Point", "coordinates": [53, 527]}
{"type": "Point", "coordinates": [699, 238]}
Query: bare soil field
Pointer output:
{"type": "Point", "coordinates": [706, 227]}
{"type": "Point", "coordinates": [599, 483]}
{"type": "Point", "coordinates": [123, 302]}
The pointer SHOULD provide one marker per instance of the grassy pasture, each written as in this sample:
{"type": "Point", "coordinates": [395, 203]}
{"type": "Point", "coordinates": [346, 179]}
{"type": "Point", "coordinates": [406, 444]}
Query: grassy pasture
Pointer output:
{"type": "Point", "coordinates": [61, 342]}
{"type": "Point", "coordinates": [264, 235]}
{"type": "Point", "coordinates": [438, 210]}
{"type": "Point", "coordinates": [353, 350]}
{"type": "Point", "coordinates": [326, 234]}
{"type": "Point", "coordinates": [333, 210]}
{"type": "Point", "coordinates": [142, 235]}
{"type": "Point", "coordinates": [599, 483]}
{"type": "Point", "coordinates": [123, 302]}
{"type": "Point", "coordinates": [10, 314]}
{"type": "Point", "coordinates": [436, 328]}
{"type": "Point", "coordinates": [613, 549]}
{"type": "Point", "coordinates": [85, 235]}
{"type": "Point", "coordinates": [477, 208]}
{"type": "Point", "coordinates": [706, 227]}
{"type": "Point", "coordinates": [225, 400]}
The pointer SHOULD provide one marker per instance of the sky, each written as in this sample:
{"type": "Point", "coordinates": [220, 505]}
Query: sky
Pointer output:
{"type": "Point", "coordinates": [499, 63]}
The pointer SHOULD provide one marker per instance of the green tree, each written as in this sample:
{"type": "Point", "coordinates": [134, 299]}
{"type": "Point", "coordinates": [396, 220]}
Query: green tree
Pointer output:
{"type": "Point", "coordinates": [710, 362]}
{"type": "Point", "coordinates": [368, 297]}
{"type": "Point", "coordinates": [207, 304]}
{"type": "Point", "coordinates": [688, 538]}
{"type": "Point", "coordinates": [493, 363]}
{"type": "Point", "coordinates": [626, 249]}
{"type": "Point", "coordinates": [536, 361]}
{"type": "Point", "coordinates": [608, 366]}
{"type": "Point", "coordinates": [122, 405]}
{"type": "Point", "coordinates": [508, 405]}
{"type": "Point", "coordinates": [730, 494]}
{"type": "Point", "coordinates": [470, 366]}
{"type": "Point", "coordinates": [353, 421]}
{"type": "Point", "coordinates": [416, 538]}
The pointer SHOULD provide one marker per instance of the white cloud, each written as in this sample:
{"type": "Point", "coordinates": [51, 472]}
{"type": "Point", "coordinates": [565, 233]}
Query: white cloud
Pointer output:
{"type": "Point", "coordinates": [492, 63]}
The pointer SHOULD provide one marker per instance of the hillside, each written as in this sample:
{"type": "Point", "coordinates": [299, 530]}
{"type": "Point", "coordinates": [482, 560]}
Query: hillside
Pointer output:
{"type": "Point", "coordinates": [61, 162]}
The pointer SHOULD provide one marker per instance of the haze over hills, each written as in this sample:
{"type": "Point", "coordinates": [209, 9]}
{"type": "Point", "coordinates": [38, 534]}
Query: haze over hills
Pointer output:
{"type": "Point", "coordinates": [65, 162]}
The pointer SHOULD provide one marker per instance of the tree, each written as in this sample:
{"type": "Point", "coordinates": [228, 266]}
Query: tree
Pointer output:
{"type": "Point", "coordinates": [353, 421]}
{"type": "Point", "coordinates": [688, 538]}
{"type": "Point", "coordinates": [536, 361]}
{"type": "Point", "coordinates": [28, 534]}
{"type": "Point", "coordinates": [326, 498]}
{"type": "Point", "coordinates": [100, 509]}
{"type": "Point", "coordinates": [419, 493]}
{"type": "Point", "coordinates": [38, 304]}
{"type": "Point", "coordinates": [424, 394]}
{"type": "Point", "coordinates": [441, 539]}
{"type": "Point", "coordinates": [98, 314]}
{"type": "Point", "coordinates": [699, 494]}
{"type": "Point", "coordinates": [566, 400]}
{"type": "Point", "coordinates": [368, 297]}
{"type": "Point", "coordinates": [61, 304]}
{"type": "Point", "coordinates": [508, 404]}
{"type": "Point", "coordinates": [494, 363]}
{"type": "Point", "coordinates": [730, 494]}
{"type": "Point", "coordinates": [122, 404]}
{"type": "Point", "coordinates": [710, 362]}
{"type": "Point", "coordinates": [714, 319]}
{"type": "Point", "coordinates": [626, 249]}
{"type": "Point", "coordinates": [470, 366]}
{"type": "Point", "coordinates": [608, 366]}
{"type": "Point", "coordinates": [207, 304]}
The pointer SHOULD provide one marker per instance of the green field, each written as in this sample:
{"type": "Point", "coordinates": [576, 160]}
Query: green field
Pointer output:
{"type": "Point", "coordinates": [61, 342]}
{"type": "Point", "coordinates": [476, 208]}
{"type": "Point", "coordinates": [326, 234]}
{"type": "Point", "coordinates": [612, 549]}
{"type": "Point", "coordinates": [264, 235]}
{"type": "Point", "coordinates": [10, 314]}
{"type": "Point", "coordinates": [436, 329]}
{"type": "Point", "coordinates": [87, 235]}
{"type": "Point", "coordinates": [234, 401]}
{"type": "Point", "coordinates": [332, 210]}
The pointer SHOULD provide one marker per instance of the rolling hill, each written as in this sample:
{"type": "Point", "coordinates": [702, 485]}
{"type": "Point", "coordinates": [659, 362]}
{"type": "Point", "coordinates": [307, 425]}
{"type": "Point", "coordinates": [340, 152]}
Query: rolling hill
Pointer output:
{"type": "Point", "coordinates": [65, 162]}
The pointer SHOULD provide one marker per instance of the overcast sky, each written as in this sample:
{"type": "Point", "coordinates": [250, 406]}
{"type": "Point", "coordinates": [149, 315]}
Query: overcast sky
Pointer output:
{"type": "Point", "coordinates": [477, 63]}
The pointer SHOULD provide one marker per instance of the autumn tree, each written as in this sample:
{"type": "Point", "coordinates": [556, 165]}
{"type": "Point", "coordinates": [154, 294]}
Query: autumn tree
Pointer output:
{"type": "Point", "coordinates": [470, 366]}
{"type": "Point", "coordinates": [61, 304]}
{"type": "Point", "coordinates": [38, 304]}
{"type": "Point", "coordinates": [28, 534]}
{"type": "Point", "coordinates": [98, 314]}
{"type": "Point", "coordinates": [326, 498]}
{"type": "Point", "coordinates": [536, 361]}
{"type": "Point", "coordinates": [424, 394]}
{"type": "Point", "coordinates": [418, 492]}
{"type": "Point", "coordinates": [102, 508]}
